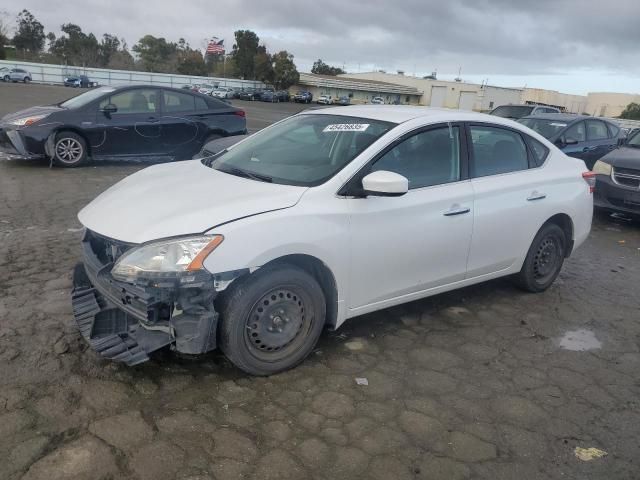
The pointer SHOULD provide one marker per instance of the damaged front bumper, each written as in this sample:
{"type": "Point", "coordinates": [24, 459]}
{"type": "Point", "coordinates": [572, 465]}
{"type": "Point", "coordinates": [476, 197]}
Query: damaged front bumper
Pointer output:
{"type": "Point", "coordinates": [15, 144]}
{"type": "Point", "coordinates": [125, 322]}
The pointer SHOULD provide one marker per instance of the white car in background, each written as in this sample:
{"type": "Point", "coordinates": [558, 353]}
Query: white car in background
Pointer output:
{"type": "Point", "coordinates": [16, 75]}
{"type": "Point", "coordinates": [324, 99]}
{"type": "Point", "coordinates": [377, 101]}
{"type": "Point", "coordinates": [324, 216]}
{"type": "Point", "coordinates": [222, 92]}
{"type": "Point", "coordinates": [206, 89]}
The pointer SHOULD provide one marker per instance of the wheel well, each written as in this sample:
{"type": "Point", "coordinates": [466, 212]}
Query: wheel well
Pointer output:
{"type": "Point", "coordinates": [77, 132]}
{"type": "Point", "coordinates": [566, 224]}
{"type": "Point", "coordinates": [318, 270]}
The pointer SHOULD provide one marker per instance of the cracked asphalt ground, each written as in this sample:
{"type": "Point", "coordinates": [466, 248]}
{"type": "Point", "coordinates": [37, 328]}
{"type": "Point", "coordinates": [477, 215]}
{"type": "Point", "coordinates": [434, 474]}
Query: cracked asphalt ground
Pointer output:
{"type": "Point", "coordinates": [469, 384]}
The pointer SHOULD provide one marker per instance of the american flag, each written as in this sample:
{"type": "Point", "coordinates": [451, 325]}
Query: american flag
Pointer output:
{"type": "Point", "coordinates": [215, 47]}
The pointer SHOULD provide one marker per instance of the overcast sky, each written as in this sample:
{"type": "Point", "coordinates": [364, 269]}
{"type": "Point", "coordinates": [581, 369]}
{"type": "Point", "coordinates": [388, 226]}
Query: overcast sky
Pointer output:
{"type": "Point", "coordinates": [574, 46]}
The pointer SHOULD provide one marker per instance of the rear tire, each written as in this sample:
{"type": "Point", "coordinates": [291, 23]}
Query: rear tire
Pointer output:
{"type": "Point", "coordinates": [544, 259]}
{"type": "Point", "coordinates": [271, 320]}
{"type": "Point", "coordinates": [26, 80]}
{"type": "Point", "coordinates": [70, 150]}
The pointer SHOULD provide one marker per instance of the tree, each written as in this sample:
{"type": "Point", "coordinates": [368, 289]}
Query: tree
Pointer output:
{"type": "Point", "coordinates": [155, 53]}
{"type": "Point", "coordinates": [29, 35]}
{"type": "Point", "coordinates": [109, 45]}
{"type": "Point", "coordinates": [121, 60]}
{"type": "Point", "coordinates": [321, 68]}
{"type": "Point", "coordinates": [285, 72]}
{"type": "Point", "coordinates": [632, 112]}
{"type": "Point", "coordinates": [263, 65]}
{"type": "Point", "coordinates": [4, 33]}
{"type": "Point", "coordinates": [76, 47]}
{"type": "Point", "coordinates": [244, 52]}
{"type": "Point", "coordinates": [192, 63]}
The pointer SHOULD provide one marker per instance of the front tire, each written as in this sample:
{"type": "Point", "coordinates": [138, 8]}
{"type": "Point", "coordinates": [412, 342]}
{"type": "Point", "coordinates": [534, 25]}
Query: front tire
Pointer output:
{"type": "Point", "coordinates": [70, 150]}
{"type": "Point", "coordinates": [544, 259]}
{"type": "Point", "coordinates": [272, 319]}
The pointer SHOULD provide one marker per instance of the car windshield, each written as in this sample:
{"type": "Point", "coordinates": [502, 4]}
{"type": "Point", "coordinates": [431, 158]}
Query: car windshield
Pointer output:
{"type": "Point", "coordinates": [545, 127]}
{"type": "Point", "coordinates": [303, 150]}
{"type": "Point", "coordinates": [512, 111]}
{"type": "Point", "coordinates": [86, 98]}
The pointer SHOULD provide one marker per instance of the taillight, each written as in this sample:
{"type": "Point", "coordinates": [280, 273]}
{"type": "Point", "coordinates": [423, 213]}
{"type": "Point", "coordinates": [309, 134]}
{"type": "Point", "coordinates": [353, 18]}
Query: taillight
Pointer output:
{"type": "Point", "coordinates": [590, 178]}
{"type": "Point", "coordinates": [240, 113]}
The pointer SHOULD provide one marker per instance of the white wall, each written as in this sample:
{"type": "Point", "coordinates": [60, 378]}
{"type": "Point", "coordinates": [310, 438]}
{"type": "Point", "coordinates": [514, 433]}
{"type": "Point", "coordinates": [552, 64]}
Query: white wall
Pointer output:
{"type": "Point", "coordinates": [55, 74]}
{"type": "Point", "coordinates": [492, 97]}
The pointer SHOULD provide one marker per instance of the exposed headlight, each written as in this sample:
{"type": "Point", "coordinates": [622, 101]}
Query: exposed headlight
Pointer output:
{"type": "Point", "coordinates": [601, 168]}
{"type": "Point", "coordinates": [26, 121]}
{"type": "Point", "coordinates": [168, 258]}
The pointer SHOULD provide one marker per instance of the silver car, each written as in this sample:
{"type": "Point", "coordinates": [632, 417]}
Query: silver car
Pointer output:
{"type": "Point", "coordinates": [16, 75]}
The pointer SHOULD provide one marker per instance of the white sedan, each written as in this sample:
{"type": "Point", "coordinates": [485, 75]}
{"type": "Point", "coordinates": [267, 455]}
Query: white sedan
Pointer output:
{"type": "Point", "coordinates": [324, 216]}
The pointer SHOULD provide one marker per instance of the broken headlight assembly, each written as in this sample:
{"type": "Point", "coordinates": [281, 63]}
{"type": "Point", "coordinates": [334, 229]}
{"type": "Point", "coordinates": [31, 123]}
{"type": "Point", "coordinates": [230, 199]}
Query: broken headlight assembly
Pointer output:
{"type": "Point", "coordinates": [166, 259]}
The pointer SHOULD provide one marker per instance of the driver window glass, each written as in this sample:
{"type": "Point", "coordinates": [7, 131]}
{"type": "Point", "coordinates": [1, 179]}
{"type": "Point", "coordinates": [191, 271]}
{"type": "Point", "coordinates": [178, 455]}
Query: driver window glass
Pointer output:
{"type": "Point", "coordinates": [577, 132]}
{"type": "Point", "coordinates": [425, 159]}
{"type": "Point", "coordinates": [139, 100]}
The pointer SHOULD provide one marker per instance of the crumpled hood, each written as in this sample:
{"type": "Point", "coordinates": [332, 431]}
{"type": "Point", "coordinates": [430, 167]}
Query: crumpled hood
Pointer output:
{"type": "Point", "coordinates": [179, 199]}
{"type": "Point", "coordinates": [623, 157]}
{"type": "Point", "coordinates": [43, 110]}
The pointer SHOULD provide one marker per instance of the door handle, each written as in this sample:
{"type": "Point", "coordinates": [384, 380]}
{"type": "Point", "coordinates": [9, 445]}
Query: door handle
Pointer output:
{"type": "Point", "coordinates": [152, 119]}
{"type": "Point", "coordinates": [456, 210]}
{"type": "Point", "coordinates": [536, 196]}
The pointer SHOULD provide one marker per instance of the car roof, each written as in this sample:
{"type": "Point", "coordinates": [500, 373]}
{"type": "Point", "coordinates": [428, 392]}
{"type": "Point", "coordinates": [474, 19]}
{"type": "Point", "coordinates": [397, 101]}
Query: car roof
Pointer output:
{"type": "Point", "coordinates": [563, 117]}
{"type": "Point", "coordinates": [403, 113]}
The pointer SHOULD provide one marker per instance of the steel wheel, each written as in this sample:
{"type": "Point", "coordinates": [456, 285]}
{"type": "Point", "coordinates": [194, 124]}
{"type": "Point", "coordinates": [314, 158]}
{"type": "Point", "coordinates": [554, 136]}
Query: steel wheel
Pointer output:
{"type": "Point", "coordinates": [546, 258]}
{"type": "Point", "coordinates": [69, 150]}
{"type": "Point", "coordinates": [276, 323]}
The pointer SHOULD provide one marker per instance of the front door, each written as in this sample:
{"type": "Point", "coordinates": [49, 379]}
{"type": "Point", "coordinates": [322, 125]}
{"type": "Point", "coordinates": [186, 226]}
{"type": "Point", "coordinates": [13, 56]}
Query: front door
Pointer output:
{"type": "Point", "coordinates": [408, 244]}
{"type": "Point", "coordinates": [134, 129]}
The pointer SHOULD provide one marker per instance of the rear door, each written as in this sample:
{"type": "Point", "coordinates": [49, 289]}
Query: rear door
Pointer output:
{"type": "Point", "coordinates": [599, 141]}
{"type": "Point", "coordinates": [509, 198]}
{"type": "Point", "coordinates": [182, 131]}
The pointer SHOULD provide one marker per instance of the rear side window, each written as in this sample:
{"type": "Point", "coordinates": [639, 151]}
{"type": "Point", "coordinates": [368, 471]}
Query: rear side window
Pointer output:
{"type": "Point", "coordinates": [497, 150]}
{"type": "Point", "coordinates": [613, 130]}
{"type": "Point", "coordinates": [178, 102]}
{"type": "Point", "coordinates": [540, 152]}
{"type": "Point", "coordinates": [576, 132]}
{"type": "Point", "coordinates": [201, 104]}
{"type": "Point", "coordinates": [597, 130]}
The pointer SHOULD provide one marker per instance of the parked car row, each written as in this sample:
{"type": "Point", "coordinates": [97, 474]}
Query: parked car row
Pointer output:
{"type": "Point", "coordinates": [15, 75]}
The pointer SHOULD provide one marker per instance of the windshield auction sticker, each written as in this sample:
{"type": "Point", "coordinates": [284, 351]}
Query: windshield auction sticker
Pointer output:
{"type": "Point", "coordinates": [346, 127]}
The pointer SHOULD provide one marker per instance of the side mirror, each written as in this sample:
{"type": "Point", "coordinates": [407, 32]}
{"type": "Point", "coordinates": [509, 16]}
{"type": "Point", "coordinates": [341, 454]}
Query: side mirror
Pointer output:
{"type": "Point", "coordinates": [385, 184]}
{"type": "Point", "coordinates": [570, 141]}
{"type": "Point", "coordinates": [109, 108]}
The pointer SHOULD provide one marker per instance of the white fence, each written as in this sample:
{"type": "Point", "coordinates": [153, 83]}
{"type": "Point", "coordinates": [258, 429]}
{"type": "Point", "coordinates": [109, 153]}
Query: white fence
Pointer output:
{"type": "Point", "coordinates": [55, 74]}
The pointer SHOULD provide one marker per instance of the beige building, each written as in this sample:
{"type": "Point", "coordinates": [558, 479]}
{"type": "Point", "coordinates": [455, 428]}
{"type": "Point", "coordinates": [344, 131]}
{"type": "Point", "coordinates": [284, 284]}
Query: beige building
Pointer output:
{"type": "Point", "coordinates": [471, 96]}
{"type": "Point", "coordinates": [564, 101]}
{"type": "Point", "coordinates": [606, 104]}
{"type": "Point", "coordinates": [359, 91]}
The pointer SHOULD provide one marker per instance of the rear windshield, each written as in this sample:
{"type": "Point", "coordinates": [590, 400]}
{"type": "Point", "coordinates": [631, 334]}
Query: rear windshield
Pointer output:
{"type": "Point", "coordinates": [303, 150]}
{"type": "Point", "coordinates": [512, 111]}
{"type": "Point", "coordinates": [546, 128]}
